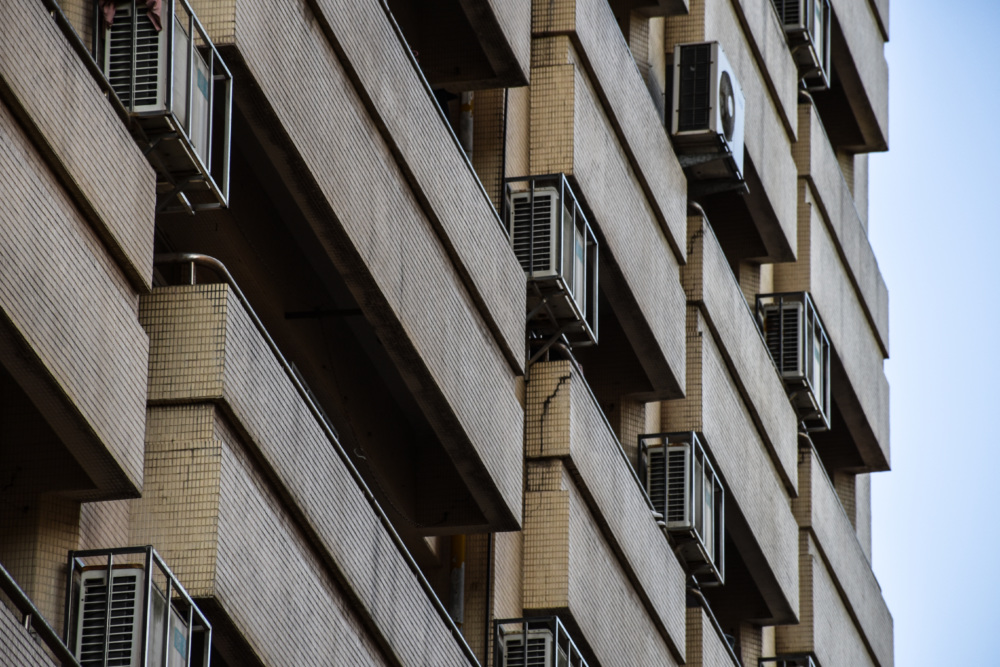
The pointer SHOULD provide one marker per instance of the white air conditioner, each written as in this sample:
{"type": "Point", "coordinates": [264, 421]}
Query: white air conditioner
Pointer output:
{"type": "Point", "coordinates": [708, 112]}
{"type": "Point", "coordinates": [807, 26]}
{"type": "Point", "coordinates": [538, 651]}
{"type": "Point", "coordinates": [684, 488]}
{"type": "Point", "coordinates": [149, 63]}
{"type": "Point", "coordinates": [123, 636]}
{"type": "Point", "coordinates": [800, 348]}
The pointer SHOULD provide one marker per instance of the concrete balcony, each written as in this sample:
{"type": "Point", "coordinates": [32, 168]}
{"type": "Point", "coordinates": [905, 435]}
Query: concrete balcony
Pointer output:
{"type": "Point", "coordinates": [710, 284]}
{"type": "Point", "coordinates": [571, 568]}
{"type": "Point", "coordinates": [364, 204]}
{"type": "Point", "coordinates": [844, 619]}
{"type": "Point", "coordinates": [858, 101]}
{"type": "Point", "coordinates": [706, 647]}
{"type": "Point", "coordinates": [758, 514]}
{"type": "Point", "coordinates": [859, 434]}
{"type": "Point", "coordinates": [639, 272]}
{"type": "Point", "coordinates": [621, 96]}
{"type": "Point", "coordinates": [249, 501]}
{"type": "Point", "coordinates": [817, 163]}
{"type": "Point", "coordinates": [76, 242]}
{"type": "Point", "coordinates": [761, 224]}
{"type": "Point", "coordinates": [565, 423]}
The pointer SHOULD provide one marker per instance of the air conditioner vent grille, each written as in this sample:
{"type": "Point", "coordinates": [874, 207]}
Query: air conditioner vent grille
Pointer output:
{"type": "Point", "coordinates": [676, 475]}
{"type": "Point", "coordinates": [94, 614]}
{"type": "Point", "coordinates": [789, 11]}
{"type": "Point", "coordinates": [121, 62]}
{"type": "Point", "coordinates": [536, 652]}
{"type": "Point", "coordinates": [532, 232]}
{"type": "Point", "coordinates": [695, 98]}
{"type": "Point", "coordinates": [784, 338]}
{"type": "Point", "coordinates": [657, 480]}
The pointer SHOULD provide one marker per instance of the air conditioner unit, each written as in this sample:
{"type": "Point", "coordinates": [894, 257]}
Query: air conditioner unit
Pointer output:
{"type": "Point", "coordinates": [121, 636]}
{"type": "Point", "coordinates": [683, 487]}
{"type": "Point", "coordinates": [708, 112]}
{"type": "Point", "coordinates": [807, 27]}
{"type": "Point", "coordinates": [787, 661]}
{"type": "Point", "coordinates": [171, 79]}
{"type": "Point", "coordinates": [798, 343]}
{"type": "Point", "coordinates": [538, 650]}
{"type": "Point", "coordinates": [557, 250]}
{"type": "Point", "coordinates": [150, 64]}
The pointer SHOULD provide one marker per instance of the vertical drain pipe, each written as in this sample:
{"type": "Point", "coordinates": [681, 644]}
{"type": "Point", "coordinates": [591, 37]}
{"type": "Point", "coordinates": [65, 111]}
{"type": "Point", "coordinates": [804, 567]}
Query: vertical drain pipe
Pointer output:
{"type": "Point", "coordinates": [465, 123]}
{"type": "Point", "coordinates": [456, 598]}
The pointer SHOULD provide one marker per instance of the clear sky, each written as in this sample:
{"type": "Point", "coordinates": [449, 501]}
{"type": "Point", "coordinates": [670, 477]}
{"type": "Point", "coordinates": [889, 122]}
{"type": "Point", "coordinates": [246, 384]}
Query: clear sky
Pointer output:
{"type": "Point", "coordinates": [936, 232]}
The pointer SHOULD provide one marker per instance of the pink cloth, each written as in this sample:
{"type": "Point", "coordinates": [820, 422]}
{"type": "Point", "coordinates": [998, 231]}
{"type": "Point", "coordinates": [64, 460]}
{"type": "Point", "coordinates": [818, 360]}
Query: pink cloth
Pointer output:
{"type": "Point", "coordinates": [154, 10]}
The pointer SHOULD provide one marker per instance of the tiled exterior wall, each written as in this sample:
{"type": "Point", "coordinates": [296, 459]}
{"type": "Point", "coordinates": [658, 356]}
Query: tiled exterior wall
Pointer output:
{"type": "Point", "coordinates": [414, 171]}
{"type": "Point", "coordinates": [88, 147]}
{"type": "Point", "coordinates": [285, 438]}
{"type": "Point", "coordinates": [843, 562]}
{"type": "Point", "coordinates": [866, 44]}
{"type": "Point", "coordinates": [563, 420]}
{"type": "Point", "coordinates": [615, 80]}
{"type": "Point", "coordinates": [568, 565]}
{"type": "Point", "coordinates": [20, 648]}
{"type": "Point", "coordinates": [826, 629]}
{"type": "Point", "coordinates": [705, 647]}
{"type": "Point", "coordinates": [817, 163]}
{"type": "Point", "coordinates": [864, 397]}
{"type": "Point", "coordinates": [65, 303]}
{"type": "Point", "coordinates": [708, 281]}
{"type": "Point", "coordinates": [570, 133]}
{"type": "Point", "coordinates": [766, 39]}
{"type": "Point", "coordinates": [754, 491]}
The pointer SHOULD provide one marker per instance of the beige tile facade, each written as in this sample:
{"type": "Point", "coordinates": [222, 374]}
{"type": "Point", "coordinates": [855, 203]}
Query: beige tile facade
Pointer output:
{"type": "Point", "coordinates": [351, 457]}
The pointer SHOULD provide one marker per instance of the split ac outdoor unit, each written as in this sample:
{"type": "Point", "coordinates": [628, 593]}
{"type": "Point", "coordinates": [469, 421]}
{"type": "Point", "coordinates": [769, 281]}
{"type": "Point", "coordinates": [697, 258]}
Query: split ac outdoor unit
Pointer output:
{"type": "Point", "coordinates": [800, 348]}
{"type": "Point", "coordinates": [167, 74]}
{"type": "Point", "coordinates": [121, 635]}
{"type": "Point", "coordinates": [557, 250]}
{"type": "Point", "coordinates": [538, 651]}
{"type": "Point", "coordinates": [683, 486]}
{"type": "Point", "coordinates": [807, 26]}
{"type": "Point", "coordinates": [787, 661]}
{"type": "Point", "coordinates": [708, 113]}
{"type": "Point", "coordinates": [151, 63]}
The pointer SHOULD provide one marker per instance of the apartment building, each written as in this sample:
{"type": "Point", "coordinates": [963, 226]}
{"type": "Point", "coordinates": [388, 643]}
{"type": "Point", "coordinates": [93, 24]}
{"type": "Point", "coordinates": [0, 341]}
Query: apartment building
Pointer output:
{"type": "Point", "coordinates": [472, 332]}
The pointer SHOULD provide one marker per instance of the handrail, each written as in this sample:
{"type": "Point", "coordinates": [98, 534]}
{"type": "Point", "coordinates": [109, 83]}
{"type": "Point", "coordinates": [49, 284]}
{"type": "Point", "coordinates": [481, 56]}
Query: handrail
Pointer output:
{"type": "Point", "coordinates": [218, 267]}
{"type": "Point", "coordinates": [34, 618]}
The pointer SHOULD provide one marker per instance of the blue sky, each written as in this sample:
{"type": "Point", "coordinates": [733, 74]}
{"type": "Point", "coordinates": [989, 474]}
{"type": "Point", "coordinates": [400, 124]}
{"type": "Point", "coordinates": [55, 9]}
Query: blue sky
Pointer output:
{"type": "Point", "coordinates": [935, 230]}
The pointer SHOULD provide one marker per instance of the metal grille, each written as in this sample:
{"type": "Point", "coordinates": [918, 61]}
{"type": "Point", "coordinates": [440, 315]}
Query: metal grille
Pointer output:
{"type": "Point", "coordinates": [657, 479]}
{"type": "Point", "coordinates": [531, 230]}
{"type": "Point", "coordinates": [783, 335]}
{"type": "Point", "coordinates": [789, 12]}
{"type": "Point", "coordinates": [146, 61]}
{"type": "Point", "coordinates": [694, 103]}
{"type": "Point", "coordinates": [676, 477]}
{"type": "Point", "coordinates": [536, 655]}
{"type": "Point", "coordinates": [94, 613]}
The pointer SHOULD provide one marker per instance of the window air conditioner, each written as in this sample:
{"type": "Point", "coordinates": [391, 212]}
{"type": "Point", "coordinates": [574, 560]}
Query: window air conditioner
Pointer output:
{"type": "Point", "coordinates": [807, 27]}
{"type": "Point", "coordinates": [708, 113]}
{"type": "Point", "coordinates": [123, 640]}
{"type": "Point", "coordinates": [683, 486]}
{"type": "Point", "coordinates": [557, 250]}
{"type": "Point", "coordinates": [801, 351]}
